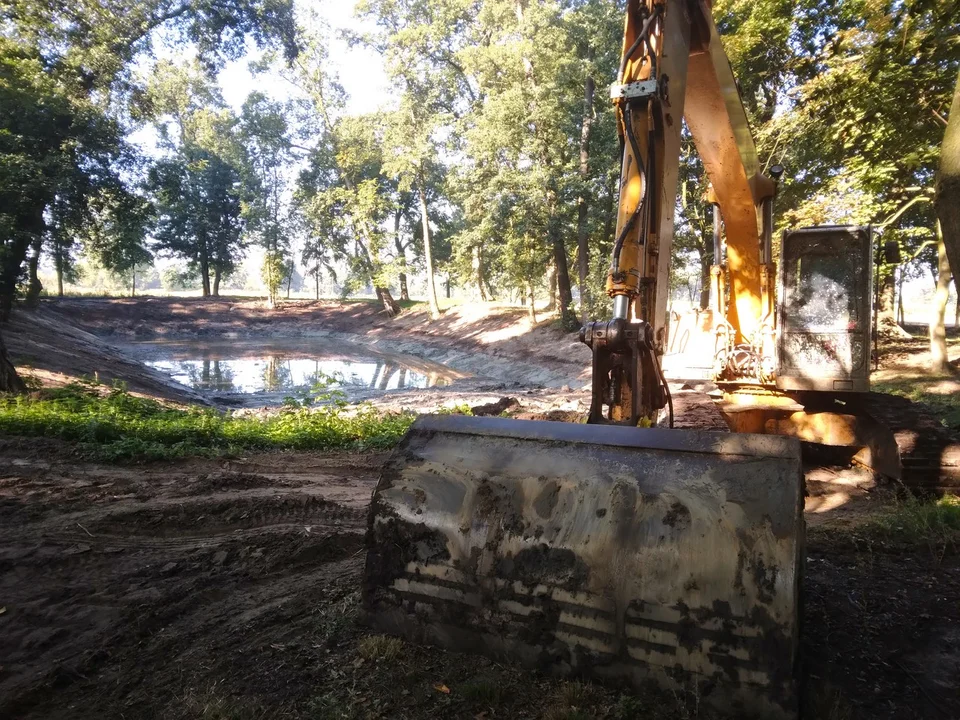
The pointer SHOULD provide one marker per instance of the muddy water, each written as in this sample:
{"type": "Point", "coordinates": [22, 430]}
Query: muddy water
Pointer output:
{"type": "Point", "coordinates": [290, 365]}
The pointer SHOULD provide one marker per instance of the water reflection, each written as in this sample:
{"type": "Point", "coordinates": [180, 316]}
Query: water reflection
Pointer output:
{"type": "Point", "coordinates": [281, 373]}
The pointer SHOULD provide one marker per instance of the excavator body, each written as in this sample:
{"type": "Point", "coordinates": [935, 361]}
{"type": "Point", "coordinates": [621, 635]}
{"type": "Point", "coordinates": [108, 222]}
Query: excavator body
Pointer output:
{"type": "Point", "coordinates": [614, 549]}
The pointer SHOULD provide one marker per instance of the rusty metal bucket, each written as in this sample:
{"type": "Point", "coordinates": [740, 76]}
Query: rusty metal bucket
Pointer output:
{"type": "Point", "coordinates": [612, 552]}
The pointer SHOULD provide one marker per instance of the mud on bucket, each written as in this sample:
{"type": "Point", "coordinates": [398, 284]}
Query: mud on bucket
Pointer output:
{"type": "Point", "coordinates": [623, 554]}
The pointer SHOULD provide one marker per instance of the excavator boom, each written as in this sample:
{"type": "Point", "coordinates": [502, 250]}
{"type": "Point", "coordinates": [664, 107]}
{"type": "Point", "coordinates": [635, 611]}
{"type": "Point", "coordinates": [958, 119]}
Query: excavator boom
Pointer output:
{"type": "Point", "coordinates": [610, 550]}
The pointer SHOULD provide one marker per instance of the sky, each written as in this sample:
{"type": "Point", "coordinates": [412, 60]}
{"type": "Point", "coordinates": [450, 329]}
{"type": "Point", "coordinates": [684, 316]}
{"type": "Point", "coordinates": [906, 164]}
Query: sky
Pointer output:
{"type": "Point", "coordinates": [360, 68]}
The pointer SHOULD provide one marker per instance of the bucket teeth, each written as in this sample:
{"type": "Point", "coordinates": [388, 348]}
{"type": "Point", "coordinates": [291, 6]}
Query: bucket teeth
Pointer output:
{"type": "Point", "coordinates": [614, 552]}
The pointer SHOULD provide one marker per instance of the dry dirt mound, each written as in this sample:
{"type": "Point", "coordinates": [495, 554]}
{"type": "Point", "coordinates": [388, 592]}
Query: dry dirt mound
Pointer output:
{"type": "Point", "coordinates": [50, 348]}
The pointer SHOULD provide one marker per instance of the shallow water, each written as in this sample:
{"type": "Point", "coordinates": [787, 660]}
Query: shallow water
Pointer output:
{"type": "Point", "coordinates": [290, 365]}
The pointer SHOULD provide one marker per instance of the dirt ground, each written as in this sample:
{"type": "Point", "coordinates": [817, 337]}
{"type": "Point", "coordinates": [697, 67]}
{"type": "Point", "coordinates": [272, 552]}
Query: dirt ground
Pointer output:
{"type": "Point", "coordinates": [229, 589]}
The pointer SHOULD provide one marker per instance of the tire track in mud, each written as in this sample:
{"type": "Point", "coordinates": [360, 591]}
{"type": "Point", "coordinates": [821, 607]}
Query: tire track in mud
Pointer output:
{"type": "Point", "coordinates": [119, 601]}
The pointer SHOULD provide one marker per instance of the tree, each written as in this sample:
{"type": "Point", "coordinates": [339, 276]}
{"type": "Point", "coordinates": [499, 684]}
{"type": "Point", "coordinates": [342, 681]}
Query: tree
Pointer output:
{"type": "Point", "coordinates": [198, 187]}
{"type": "Point", "coordinates": [266, 136]}
{"type": "Point", "coordinates": [948, 247]}
{"type": "Point", "coordinates": [411, 151]}
{"type": "Point", "coordinates": [854, 153]}
{"type": "Point", "coordinates": [117, 237]}
{"type": "Point", "coordinates": [64, 77]}
{"type": "Point", "coordinates": [344, 192]}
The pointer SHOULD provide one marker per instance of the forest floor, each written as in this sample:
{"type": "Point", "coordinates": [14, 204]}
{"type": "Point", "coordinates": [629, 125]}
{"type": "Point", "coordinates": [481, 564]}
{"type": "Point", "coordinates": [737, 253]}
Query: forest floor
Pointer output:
{"type": "Point", "coordinates": [228, 588]}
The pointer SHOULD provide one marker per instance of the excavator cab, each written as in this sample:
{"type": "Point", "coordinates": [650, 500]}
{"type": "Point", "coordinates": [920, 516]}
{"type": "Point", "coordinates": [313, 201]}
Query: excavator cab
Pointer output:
{"type": "Point", "coordinates": [825, 323]}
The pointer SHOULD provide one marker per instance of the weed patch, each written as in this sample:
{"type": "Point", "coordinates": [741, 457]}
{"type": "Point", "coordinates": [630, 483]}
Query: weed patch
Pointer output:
{"type": "Point", "coordinates": [118, 425]}
{"type": "Point", "coordinates": [482, 690]}
{"type": "Point", "coordinates": [918, 522]}
{"type": "Point", "coordinates": [378, 648]}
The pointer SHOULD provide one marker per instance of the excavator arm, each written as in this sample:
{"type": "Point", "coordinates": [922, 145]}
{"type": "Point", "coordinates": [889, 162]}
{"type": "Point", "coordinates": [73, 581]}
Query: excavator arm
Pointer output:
{"type": "Point", "coordinates": [674, 68]}
{"type": "Point", "coordinates": [622, 553]}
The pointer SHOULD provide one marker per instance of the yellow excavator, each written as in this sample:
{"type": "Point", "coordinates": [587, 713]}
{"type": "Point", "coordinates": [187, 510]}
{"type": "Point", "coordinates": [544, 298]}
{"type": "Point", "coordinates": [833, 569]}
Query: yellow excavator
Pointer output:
{"type": "Point", "coordinates": [623, 549]}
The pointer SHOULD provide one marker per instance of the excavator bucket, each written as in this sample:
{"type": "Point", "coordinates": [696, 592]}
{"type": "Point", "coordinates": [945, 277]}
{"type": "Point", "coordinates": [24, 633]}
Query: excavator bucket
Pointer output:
{"type": "Point", "coordinates": [619, 553]}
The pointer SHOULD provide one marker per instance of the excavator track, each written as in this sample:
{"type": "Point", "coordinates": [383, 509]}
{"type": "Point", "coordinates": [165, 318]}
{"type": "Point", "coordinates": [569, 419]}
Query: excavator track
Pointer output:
{"type": "Point", "coordinates": [929, 452]}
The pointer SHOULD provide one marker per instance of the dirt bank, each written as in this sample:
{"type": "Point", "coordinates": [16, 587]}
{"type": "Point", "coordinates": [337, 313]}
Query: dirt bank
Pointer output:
{"type": "Point", "coordinates": [493, 330]}
{"type": "Point", "coordinates": [51, 350]}
{"type": "Point", "coordinates": [485, 348]}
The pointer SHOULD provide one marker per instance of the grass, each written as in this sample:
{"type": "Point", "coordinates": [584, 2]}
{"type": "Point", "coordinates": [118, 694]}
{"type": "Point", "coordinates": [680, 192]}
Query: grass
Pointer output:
{"type": "Point", "coordinates": [482, 690]}
{"type": "Point", "coordinates": [215, 704]}
{"type": "Point", "coordinates": [121, 426]}
{"type": "Point", "coordinates": [918, 522]}
{"type": "Point", "coordinates": [946, 406]}
{"type": "Point", "coordinates": [379, 647]}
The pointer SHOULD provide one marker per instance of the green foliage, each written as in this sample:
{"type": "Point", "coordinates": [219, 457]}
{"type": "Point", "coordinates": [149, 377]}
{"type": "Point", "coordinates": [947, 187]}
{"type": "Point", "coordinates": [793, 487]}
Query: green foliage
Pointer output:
{"type": "Point", "coordinates": [266, 136]}
{"type": "Point", "coordinates": [918, 522]}
{"type": "Point", "coordinates": [499, 86]}
{"type": "Point", "coordinates": [379, 648]}
{"type": "Point", "coordinates": [197, 187]}
{"type": "Point", "coordinates": [121, 426]}
{"type": "Point", "coordinates": [176, 278]}
{"type": "Point", "coordinates": [65, 87]}
{"type": "Point", "coordinates": [945, 406]}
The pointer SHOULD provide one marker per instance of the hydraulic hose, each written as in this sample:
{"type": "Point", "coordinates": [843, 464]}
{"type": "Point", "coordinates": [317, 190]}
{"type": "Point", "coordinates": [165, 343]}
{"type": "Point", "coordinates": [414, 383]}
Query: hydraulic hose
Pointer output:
{"type": "Point", "coordinates": [642, 205]}
{"type": "Point", "coordinates": [641, 38]}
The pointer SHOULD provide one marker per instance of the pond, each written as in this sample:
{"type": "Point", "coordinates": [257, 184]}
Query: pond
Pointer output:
{"type": "Point", "coordinates": [289, 366]}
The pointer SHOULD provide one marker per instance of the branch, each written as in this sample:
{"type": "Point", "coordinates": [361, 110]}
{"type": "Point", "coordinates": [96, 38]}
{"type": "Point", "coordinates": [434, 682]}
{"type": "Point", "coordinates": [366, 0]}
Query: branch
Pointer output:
{"type": "Point", "coordinates": [906, 206]}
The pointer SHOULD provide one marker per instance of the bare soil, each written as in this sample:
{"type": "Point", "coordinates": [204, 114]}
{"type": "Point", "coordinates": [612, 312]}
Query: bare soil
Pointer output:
{"type": "Point", "coordinates": [229, 589]}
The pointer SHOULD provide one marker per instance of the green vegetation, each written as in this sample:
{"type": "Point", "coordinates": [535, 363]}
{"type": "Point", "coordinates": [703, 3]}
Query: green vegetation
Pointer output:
{"type": "Point", "coordinates": [379, 647]}
{"type": "Point", "coordinates": [945, 405]}
{"type": "Point", "coordinates": [918, 522]}
{"type": "Point", "coordinates": [118, 425]}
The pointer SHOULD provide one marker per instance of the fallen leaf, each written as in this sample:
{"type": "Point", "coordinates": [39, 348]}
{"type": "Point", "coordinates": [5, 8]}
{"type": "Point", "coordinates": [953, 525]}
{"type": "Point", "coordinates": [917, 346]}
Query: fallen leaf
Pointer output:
{"type": "Point", "coordinates": [442, 688]}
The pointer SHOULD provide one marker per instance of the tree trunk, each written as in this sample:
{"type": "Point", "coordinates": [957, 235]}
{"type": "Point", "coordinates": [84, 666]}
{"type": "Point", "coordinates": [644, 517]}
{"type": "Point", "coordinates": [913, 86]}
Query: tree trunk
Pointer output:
{"type": "Point", "coordinates": [886, 312]}
{"type": "Point", "coordinates": [552, 285]}
{"type": "Point", "coordinates": [531, 299]}
{"type": "Point", "coordinates": [448, 287]}
{"type": "Point", "coordinates": [133, 282]}
{"type": "Point", "coordinates": [289, 283]}
{"type": "Point", "coordinates": [939, 359]}
{"type": "Point", "coordinates": [428, 253]}
{"type": "Point", "coordinates": [10, 382]}
{"type": "Point", "coordinates": [59, 267]}
{"type": "Point", "coordinates": [705, 263]}
{"type": "Point", "coordinates": [205, 273]}
{"type": "Point", "coordinates": [391, 306]}
{"type": "Point", "coordinates": [216, 281]}
{"type": "Point", "coordinates": [901, 317]}
{"type": "Point", "coordinates": [564, 292]}
{"type": "Point", "coordinates": [316, 280]}
{"type": "Point", "coordinates": [401, 256]}
{"type": "Point", "coordinates": [583, 245]}
{"type": "Point", "coordinates": [31, 224]}
{"type": "Point", "coordinates": [478, 272]}
{"type": "Point", "coordinates": [947, 200]}
{"type": "Point", "coordinates": [34, 286]}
